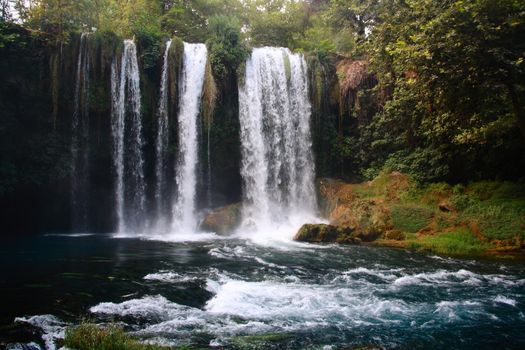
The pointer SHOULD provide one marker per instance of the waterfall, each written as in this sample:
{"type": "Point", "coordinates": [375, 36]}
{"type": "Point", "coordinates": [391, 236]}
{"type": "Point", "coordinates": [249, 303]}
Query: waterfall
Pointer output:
{"type": "Point", "coordinates": [191, 84]}
{"type": "Point", "coordinates": [128, 141]}
{"type": "Point", "coordinates": [80, 139]}
{"type": "Point", "coordinates": [208, 170]}
{"type": "Point", "coordinates": [277, 161]}
{"type": "Point", "coordinates": [162, 138]}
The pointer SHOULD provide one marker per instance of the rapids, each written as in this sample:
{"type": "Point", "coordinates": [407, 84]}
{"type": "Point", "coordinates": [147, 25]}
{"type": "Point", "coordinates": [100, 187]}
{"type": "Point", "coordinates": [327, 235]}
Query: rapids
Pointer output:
{"type": "Point", "coordinates": [229, 292]}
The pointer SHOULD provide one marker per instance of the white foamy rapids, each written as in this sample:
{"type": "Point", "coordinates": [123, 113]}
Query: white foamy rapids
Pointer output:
{"type": "Point", "coordinates": [28, 346]}
{"type": "Point", "coordinates": [441, 276]}
{"type": "Point", "coordinates": [287, 304]}
{"type": "Point", "coordinates": [149, 307]}
{"type": "Point", "coordinates": [304, 304]}
{"type": "Point", "coordinates": [505, 300]}
{"type": "Point", "coordinates": [457, 310]}
{"type": "Point", "coordinates": [169, 277]}
{"type": "Point", "coordinates": [237, 253]}
{"type": "Point", "coordinates": [249, 308]}
{"type": "Point", "coordinates": [52, 328]}
{"type": "Point", "coordinates": [387, 275]}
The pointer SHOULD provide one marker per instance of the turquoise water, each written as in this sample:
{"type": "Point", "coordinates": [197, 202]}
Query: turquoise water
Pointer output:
{"type": "Point", "coordinates": [225, 293]}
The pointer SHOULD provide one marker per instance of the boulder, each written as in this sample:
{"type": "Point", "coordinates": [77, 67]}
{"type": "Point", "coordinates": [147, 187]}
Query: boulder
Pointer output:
{"type": "Point", "coordinates": [322, 233]}
{"type": "Point", "coordinates": [222, 221]}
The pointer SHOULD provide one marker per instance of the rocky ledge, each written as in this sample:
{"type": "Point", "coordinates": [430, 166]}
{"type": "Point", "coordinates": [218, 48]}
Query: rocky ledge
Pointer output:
{"type": "Point", "coordinates": [321, 233]}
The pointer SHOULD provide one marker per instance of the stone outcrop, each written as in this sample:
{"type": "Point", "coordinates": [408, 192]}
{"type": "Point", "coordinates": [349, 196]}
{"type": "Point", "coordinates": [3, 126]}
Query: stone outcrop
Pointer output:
{"type": "Point", "coordinates": [222, 221]}
{"type": "Point", "coordinates": [359, 207]}
{"type": "Point", "coordinates": [356, 212]}
{"type": "Point", "coordinates": [322, 233]}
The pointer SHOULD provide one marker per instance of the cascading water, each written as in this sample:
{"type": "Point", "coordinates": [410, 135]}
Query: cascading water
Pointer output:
{"type": "Point", "coordinates": [208, 170]}
{"type": "Point", "coordinates": [277, 162]}
{"type": "Point", "coordinates": [80, 139]}
{"type": "Point", "coordinates": [128, 142]}
{"type": "Point", "coordinates": [191, 84]}
{"type": "Point", "coordinates": [162, 139]}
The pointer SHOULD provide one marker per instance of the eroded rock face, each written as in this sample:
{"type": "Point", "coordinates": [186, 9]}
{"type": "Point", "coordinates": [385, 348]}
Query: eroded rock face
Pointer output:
{"type": "Point", "coordinates": [322, 233]}
{"type": "Point", "coordinates": [222, 221]}
{"type": "Point", "coordinates": [367, 217]}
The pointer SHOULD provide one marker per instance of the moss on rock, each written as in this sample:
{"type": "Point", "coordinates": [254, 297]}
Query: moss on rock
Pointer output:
{"type": "Point", "coordinates": [322, 233]}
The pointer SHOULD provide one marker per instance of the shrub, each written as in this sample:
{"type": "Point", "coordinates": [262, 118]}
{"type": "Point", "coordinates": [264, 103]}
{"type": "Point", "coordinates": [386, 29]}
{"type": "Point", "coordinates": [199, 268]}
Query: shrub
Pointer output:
{"type": "Point", "coordinates": [411, 217]}
{"type": "Point", "coordinates": [226, 49]}
{"type": "Point", "coordinates": [92, 337]}
{"type": "Point", "coordinates": [458, 242]}
{"type": "Point", "coordinates": [498, 219]}
{"type": "Point", "coordinates": [150, 47]}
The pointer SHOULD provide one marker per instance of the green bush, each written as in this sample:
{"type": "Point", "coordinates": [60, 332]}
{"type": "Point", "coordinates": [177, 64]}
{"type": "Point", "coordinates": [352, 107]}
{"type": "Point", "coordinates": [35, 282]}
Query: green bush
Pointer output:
{"type": "Point", "coordinates": [150, 46]}
{"type": "Point", "coordinates": [411, 217]}
{"type": "Point", "coordinates": [226, 49]}
{"type": "Point", "coordinates": [483, 190]}
{"type": "Point", "coordinates": [458, 242]}
{"type": "Point", "coordinates": [422, 164]}
{"type": "Point", "coordinates": [498, 219]}
{"type": "Point", "coordinates": [430, 195]}
{"type": "Point", "coordinates": [510, 190]}
{"type": "Point", "coordinates": [462, 201]}
{"type": "Point", "coordinates": [92, 337]}
{"type": "Point", "coordinates": [497, 207]}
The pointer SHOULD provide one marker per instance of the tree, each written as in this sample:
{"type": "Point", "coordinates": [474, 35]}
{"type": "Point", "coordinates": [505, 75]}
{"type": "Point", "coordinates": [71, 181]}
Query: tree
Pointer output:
{"type": "Point", "coordinates": [5, 10]}
{"type": "Point", "coordinates": [276, 22]}
{"type": "Point", "coordinates": [226, 49]}
{"type": "Point", "coordinates": [454, 73]}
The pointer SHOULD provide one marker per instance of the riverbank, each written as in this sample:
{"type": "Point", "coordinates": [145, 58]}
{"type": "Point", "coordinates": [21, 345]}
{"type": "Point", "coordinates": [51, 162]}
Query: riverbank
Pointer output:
{"type": "Point", "coordinates": [479, 219]}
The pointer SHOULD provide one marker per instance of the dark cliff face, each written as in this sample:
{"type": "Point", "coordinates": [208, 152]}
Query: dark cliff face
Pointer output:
{"type": "Point", "coordinates": [33, 157]}
{"type": "Point", "coordinates": [344, 101]}
{"type": "Point", "coordinates": [37, 102]}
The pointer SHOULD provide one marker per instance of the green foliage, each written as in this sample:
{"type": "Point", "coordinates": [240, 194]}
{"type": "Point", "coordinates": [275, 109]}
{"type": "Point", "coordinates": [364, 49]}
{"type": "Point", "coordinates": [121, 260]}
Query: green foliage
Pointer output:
{"type": "Point", "coordinates": [275, 23]}
{"type": "Point", "coordinates": [150, 45]}
{"type": "Point", "coordinates": [226, 49]}
{"type": "Point", "coordinates": [423, 164]}
{"type": "Point", "coordinates": [7, 36]}
{"type": "Point", "coordinates": [451, 67]}
{"type": "Point", "coordinates": [317, 38]}
{"type": "Point", "coordinates": [92, 337]}
{"type": "Point", "coordinates": [186, 21]}
{"type": "Point", "coordinates": [411, 217]}
{"type": "Point", "coordinates": [445, 101]}
{"type": "Point", "coordinates": [498, 219]}
{"type": "Point", "coordinates": [497, 208]}
{"type": "Point", "coordinates": [462, 201]}
{"type": "Point", "coordinates": [458, 242]}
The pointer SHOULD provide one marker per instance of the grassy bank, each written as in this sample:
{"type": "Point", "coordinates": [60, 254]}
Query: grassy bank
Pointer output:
{"type": "Point", "coordinates": [476, 219]}
{"type": "Point", "coordinates": [89, 336]}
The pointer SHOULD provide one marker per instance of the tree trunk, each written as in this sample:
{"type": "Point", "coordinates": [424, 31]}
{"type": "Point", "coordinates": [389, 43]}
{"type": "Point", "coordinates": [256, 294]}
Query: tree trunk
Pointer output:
{"type": "Point", "coordinates": [518, 109]}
